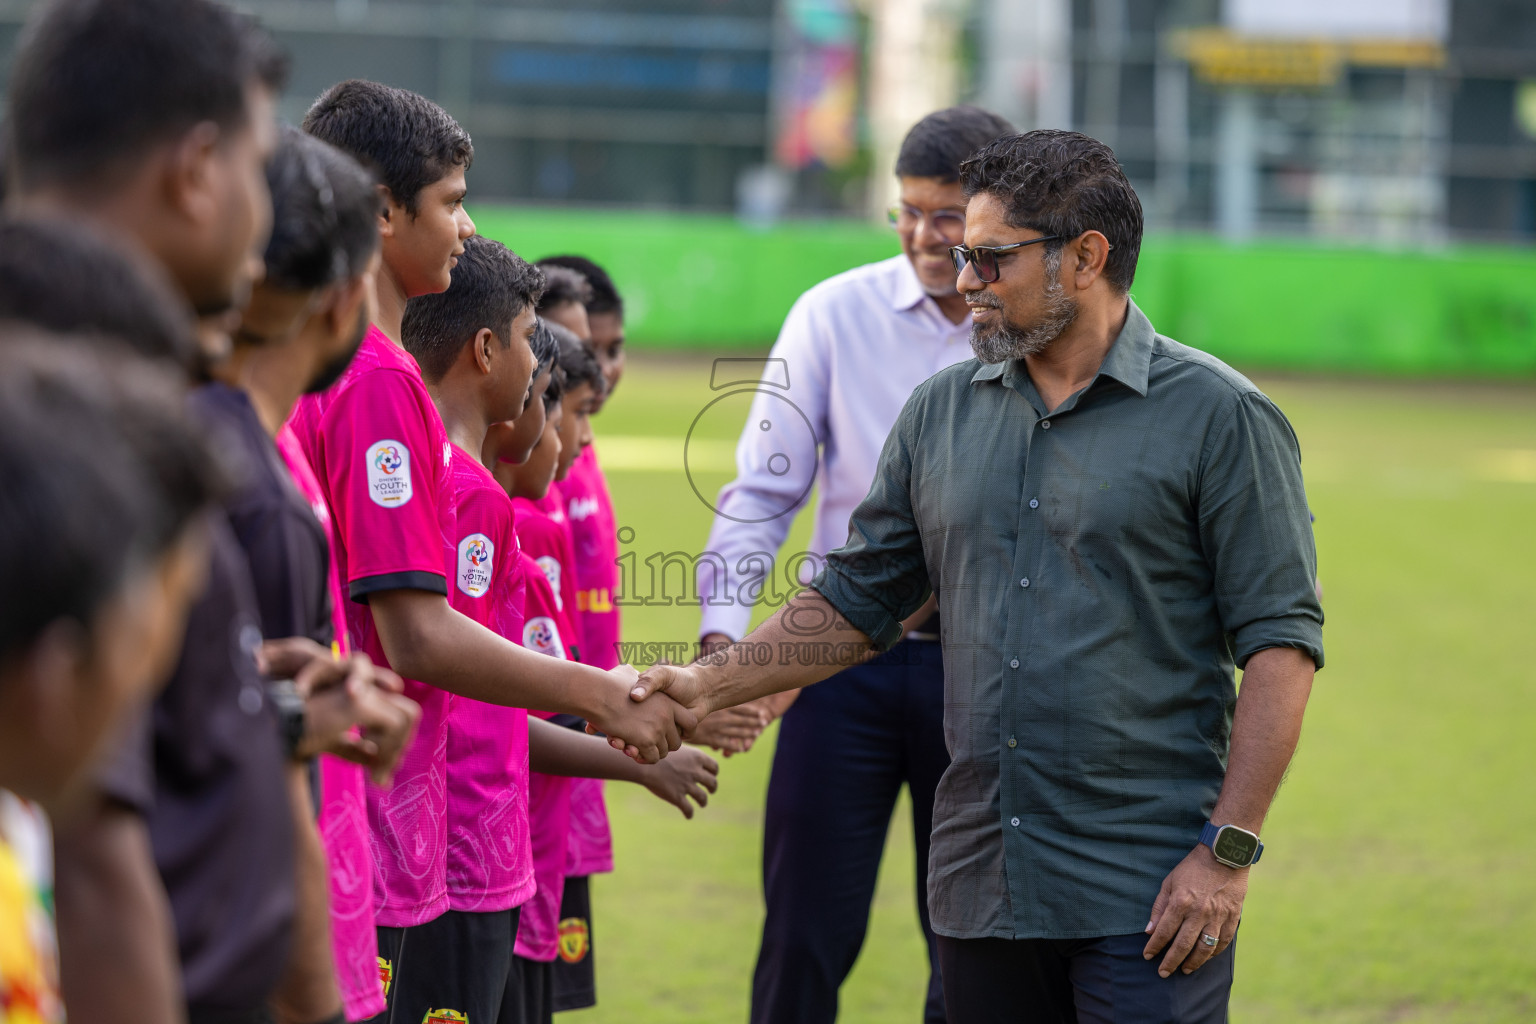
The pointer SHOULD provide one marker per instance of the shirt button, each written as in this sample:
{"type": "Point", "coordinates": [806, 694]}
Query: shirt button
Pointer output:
{"type": "Point", "coordinates": [1014, 822]}
{"type": "Point", "coordinates": [1012, 742]}
{"type": "Point", "coordinates": [1024, 582]}
{"type": "Point", "coordinates": [1045, 424]}
{"type": "Point", "coordinates": [1014, 663]}
{"type": "Point", "coordinates": [1034, 502]}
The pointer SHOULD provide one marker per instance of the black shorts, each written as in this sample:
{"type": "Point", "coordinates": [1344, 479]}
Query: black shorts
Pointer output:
{"type": "Point", "coordinates": [528, 997]}
{"type": "Point", "coordinates": [575, 978]}
{"type": "Point", "coordinates": [455, 967]}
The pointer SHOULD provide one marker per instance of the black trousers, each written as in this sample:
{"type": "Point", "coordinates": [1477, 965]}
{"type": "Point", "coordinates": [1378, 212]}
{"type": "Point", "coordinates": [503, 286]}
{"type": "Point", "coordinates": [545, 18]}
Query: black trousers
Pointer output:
{"type": "Point", "coordinates": [845, 749]}
{"type": "Point", "coordinates": [1078, 981]}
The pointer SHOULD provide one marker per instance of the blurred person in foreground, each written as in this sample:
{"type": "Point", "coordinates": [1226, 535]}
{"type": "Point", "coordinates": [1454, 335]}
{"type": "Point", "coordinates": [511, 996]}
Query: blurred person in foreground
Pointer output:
{"type": "Point", "coordinates": [90, 619]}
{"type": "Point", "coordinates": [1113, 523]}
{"type": "Point", "coordinates": [153, 121]}
{"type": "Point", "coordinates": [297, 336]}
{"type": "Point", "coordinates": [855, 347]}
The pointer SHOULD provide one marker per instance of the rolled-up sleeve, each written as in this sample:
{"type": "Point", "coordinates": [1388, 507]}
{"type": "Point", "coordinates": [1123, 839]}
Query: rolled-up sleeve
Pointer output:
{"type": "Point", "coordinates": [1256, 530]}
{"type": "Point", "coordinates": [879, 576]}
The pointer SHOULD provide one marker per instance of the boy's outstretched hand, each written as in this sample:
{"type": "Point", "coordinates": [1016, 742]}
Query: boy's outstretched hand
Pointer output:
{"type": "Point", "coordinates": [687, 773]}
{"type": "Point", "coordinates": [645, 730]}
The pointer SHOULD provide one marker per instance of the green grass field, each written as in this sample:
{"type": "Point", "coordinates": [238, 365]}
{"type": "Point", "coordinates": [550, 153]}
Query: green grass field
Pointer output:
{"type": "Point", "coordinates": [1400, 879]}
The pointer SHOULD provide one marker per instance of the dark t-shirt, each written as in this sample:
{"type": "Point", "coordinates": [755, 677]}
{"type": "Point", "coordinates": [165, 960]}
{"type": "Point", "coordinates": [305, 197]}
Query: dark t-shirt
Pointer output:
{"type": "Point", "coordinates": [209, 780]}
{"type": "Point", "coordinates": [286, 546]}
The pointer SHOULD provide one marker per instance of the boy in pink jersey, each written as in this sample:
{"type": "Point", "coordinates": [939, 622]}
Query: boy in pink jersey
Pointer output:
{"type": "Point", "coordinates": [594, 530]}
{"type": "Point", "coordinates": [546, 937]}
{"type": "Point", "coordinates": [472, 343]}
{"type": "Point", "coordinates": [380, 450]}
{"type": "Point", "coordinates": [590, 849]}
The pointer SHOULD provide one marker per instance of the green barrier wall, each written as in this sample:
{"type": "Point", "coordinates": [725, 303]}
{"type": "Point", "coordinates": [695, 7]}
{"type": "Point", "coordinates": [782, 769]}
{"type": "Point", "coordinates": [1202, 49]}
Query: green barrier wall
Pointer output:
{"type": "Point", "coordinates": [704, 282]}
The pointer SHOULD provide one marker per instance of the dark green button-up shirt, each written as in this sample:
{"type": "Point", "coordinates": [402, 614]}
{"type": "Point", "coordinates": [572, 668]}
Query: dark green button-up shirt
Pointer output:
{"type": "Point", "coordinates": [1101, 568]}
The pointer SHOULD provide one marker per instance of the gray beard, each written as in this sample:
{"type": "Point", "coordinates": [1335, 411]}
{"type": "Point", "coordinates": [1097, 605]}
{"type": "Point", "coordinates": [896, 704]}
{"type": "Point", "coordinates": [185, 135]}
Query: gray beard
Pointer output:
{"type": "Point", "coordinates": [1001, 340]}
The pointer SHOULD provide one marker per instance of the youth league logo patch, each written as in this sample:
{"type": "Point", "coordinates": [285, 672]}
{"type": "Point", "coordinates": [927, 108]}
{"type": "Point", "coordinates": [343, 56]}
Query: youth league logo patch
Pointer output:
{"type": "Point", "coordinates": [540, 634]}
{"type": "Point", "coordinates": [551, 567]}
{"type": "Point", "coordinates": [389, 473]}
{"type": "Point", "coordinates": [475, 553]}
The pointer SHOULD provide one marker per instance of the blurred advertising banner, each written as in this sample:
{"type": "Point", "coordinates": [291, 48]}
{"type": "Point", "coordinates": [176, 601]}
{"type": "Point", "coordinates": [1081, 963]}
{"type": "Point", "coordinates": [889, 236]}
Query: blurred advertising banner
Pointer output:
{"type": "Point", "coordinates": [816, 84]}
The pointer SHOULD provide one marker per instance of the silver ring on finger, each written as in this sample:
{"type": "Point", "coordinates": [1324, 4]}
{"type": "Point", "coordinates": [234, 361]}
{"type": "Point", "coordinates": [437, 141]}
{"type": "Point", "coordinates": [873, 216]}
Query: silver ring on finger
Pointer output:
{"type": "Point", "coordinates": [1209, 940]}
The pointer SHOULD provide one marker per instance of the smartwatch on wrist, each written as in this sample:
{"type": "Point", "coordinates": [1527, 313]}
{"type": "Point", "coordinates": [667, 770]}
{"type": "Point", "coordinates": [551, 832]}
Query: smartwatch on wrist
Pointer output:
{"type": "Point", "coordinates": [1235, 847]}
{"type": "Point", "coordinates": [290, 714]}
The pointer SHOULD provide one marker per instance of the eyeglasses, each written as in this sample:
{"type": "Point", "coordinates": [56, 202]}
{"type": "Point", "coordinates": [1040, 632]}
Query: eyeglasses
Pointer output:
{"type": "Point", "coordinates": [947, 224]}
{"type": "Point", "coordinates": [984, 257]}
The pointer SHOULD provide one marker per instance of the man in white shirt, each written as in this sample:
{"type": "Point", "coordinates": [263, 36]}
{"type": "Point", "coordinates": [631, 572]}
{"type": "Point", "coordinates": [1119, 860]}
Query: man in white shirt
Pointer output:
{"type": "Point", "coordinates": [854, 348]}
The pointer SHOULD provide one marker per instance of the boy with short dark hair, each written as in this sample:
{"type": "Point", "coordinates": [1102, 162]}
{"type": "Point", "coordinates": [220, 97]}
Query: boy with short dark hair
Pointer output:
{"type": "Point", "coordinates": [586, 511]}
{"type": "Point", "coordinates": [473, 343]}
{"type": "Point", "coordinates": [547, 936]}
{"type": "Point", "coordinates": [565, 300]}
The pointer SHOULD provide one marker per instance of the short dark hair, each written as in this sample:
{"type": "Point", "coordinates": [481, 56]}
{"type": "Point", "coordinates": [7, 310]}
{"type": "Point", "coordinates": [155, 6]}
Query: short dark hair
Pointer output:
{"type": "Point", "coordinates": [62, 275]}
{"type": "Point", "coordinates": [489, 287]}
{"type": "Point", "coordinates": [1062, 183]}
{"type": "Point", "coordinates": [325, 214]}
{"type": "Point", "coordinates": [84, 430]}
{"type": "Point", "coordinates": [578, 365]}
{"type": "Point", "coordinates": [407, 140]}
{"type": "Point", "coordinates": [936, 145]}
{"type": "Point", "coordinates": [97, 83]}
{"type": "Point", "coordinates": [546, 355]}
{"type": "Point", "coordinates": [561, 286]}
{"type": "Point", "coordinates": [605, 296]}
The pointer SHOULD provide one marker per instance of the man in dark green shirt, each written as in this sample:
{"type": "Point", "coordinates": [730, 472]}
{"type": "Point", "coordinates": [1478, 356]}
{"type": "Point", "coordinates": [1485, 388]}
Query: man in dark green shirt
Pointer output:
{"type": "Point", "coordinates": [1112, 522]}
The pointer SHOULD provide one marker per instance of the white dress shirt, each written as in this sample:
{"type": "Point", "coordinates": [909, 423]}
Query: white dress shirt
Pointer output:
{"type": "Point", "coordinates": [855, 346]}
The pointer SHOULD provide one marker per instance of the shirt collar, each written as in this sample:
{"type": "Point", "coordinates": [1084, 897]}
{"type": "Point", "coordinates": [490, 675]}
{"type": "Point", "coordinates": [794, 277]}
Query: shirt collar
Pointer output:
{"type": "Point", "coordinates": [1130, 357]}
{"type": "Point", "coordinates": [906, 290]}
{"type": "Point", "coordinates": [1128, 361]}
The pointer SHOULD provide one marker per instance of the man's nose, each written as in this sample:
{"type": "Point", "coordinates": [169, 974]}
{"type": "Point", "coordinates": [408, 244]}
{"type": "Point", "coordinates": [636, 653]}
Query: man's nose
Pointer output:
{"type": "Point", "coordinates": [967, 281]}
{"type": "Point", "coordinates": [926, 236]}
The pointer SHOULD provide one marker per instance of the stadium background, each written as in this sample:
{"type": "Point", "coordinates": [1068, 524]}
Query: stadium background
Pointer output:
{"type": "Point", "coordinates": [1341, 200]}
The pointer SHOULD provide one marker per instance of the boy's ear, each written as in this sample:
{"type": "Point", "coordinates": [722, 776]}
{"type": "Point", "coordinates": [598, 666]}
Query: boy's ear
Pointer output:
{"type": "Point", "coordinates": [485, 344]}
{"type": "Point", "coordinates": [387, 211]}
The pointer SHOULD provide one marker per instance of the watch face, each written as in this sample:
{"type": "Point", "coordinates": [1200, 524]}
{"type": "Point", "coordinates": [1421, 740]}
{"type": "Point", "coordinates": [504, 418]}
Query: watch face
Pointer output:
{"type": "Point", "coordinates": [1236, 846]}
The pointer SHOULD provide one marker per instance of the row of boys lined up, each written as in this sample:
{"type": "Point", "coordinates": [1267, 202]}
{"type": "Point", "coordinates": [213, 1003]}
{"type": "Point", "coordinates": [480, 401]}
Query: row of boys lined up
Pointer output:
{"type": "Point", "coordinates": [348, 557]}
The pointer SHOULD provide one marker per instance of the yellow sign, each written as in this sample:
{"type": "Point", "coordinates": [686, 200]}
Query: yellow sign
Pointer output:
{"type": "Point", "coordinates": [1221, 57]}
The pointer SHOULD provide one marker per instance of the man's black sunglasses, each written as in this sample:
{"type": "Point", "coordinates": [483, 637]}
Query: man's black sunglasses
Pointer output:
{"type": "Point", "coordinates": [984, 257]}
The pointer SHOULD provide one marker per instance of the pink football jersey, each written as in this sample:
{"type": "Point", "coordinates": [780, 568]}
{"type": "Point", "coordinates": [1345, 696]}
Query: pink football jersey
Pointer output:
{"type": "Point", "coordinates": [379, 450]}
{"type": "Point", "coordinates": [490, 861]}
